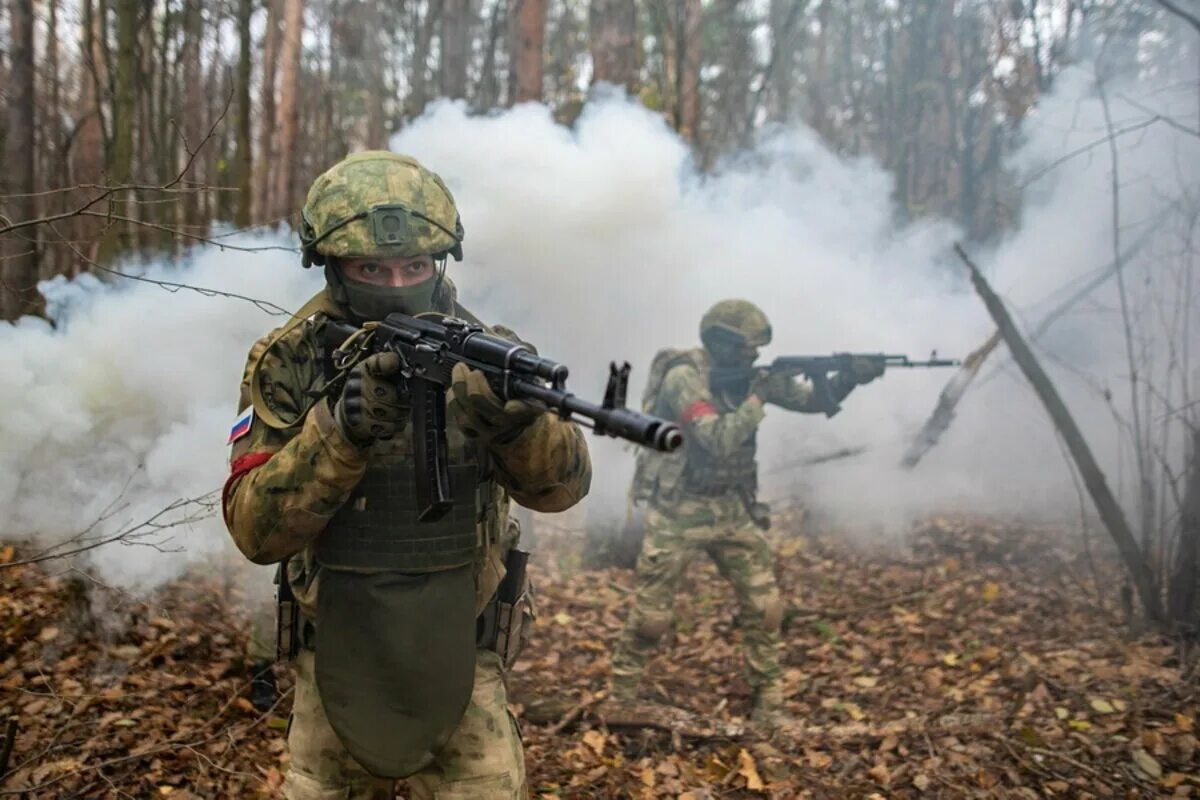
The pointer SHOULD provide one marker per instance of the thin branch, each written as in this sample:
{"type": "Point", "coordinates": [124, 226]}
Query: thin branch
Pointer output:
{"type": "Point", "coordinates": [1146, 490]}
{"type": "Point", "coordinates": [1170, 121]}
{"type": "Point", "coordinates": [1087, 148]}
{"type": "Point", "coordinates": [178, 231]}
{"type": "Point", "coordinates": [110, 191]}
{"type": "Point", "coordinates": [1187, 16]}
{"type": "Point", "coordinates": [196, 509]}
{"type": "Point", "coordinates": [1093, 477]}
{"type": "Point", "coordinates": [172, 287]}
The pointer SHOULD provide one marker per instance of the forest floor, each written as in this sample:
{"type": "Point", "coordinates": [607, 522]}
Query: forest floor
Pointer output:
{"type": "Point", "coordinates": [981, 659]}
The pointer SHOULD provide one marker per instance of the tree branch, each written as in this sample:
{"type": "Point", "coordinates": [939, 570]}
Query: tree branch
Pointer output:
{"type": "Point", "coordinates": [1187, 16]}
{"type": "Point", "coordinates": [1093, 477]}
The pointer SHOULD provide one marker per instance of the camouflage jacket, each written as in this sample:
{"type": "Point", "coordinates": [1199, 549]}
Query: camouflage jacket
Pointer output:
{"type": "Point", "coordinates": [287, 483]}
{"type": "Point", "coordinates": [716, 429]}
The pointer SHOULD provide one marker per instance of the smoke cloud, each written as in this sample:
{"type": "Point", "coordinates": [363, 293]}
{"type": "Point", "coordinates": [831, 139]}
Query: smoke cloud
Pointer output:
{"type": "Point", "coordinates": [125, 406]}
{"type": "Point", "coordinates": [601, 242]}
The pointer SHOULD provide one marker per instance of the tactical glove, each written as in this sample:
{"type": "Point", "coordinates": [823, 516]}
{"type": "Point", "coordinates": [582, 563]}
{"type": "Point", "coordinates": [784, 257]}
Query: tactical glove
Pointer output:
{"type": "Point", "coordinates": [480, 413]}
{"type": "Point", "coordinates": [773, 387]}
{"type": "Point", "coordinates": [369, 407]}
{"type": "Point", "coordinates": [866, 370]}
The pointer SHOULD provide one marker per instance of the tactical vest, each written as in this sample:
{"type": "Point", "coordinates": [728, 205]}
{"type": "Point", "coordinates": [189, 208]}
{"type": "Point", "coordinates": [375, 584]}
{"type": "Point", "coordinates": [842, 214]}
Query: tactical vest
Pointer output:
{"type": "Point", "coordinates": [378, 527]}
{"type": "Point", "coordinates": [692, 470]}
{"type": "Point", "coordinates": [395, 627]}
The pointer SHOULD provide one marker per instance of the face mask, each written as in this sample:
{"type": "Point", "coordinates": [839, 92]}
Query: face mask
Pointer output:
{"type": "Point", "coordinates": [728, 354]}
{"type": "Point", "coordinates": [370, 302]}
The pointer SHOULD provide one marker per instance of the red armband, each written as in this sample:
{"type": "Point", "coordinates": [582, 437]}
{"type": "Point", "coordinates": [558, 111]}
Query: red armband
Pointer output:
{"type": "Point", "coordinates": [698, 410]}
{"type": "Point", "coordinates": [240, 466]}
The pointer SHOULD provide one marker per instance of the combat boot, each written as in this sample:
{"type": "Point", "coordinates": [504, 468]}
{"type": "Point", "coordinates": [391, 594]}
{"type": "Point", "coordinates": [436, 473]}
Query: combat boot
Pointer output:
{"type": "Point", "coordinates": [768, 713]}
{"type": "Point", "coordinates": [624, 688]}
{"type": "Point", "coordinates": [264, 692]}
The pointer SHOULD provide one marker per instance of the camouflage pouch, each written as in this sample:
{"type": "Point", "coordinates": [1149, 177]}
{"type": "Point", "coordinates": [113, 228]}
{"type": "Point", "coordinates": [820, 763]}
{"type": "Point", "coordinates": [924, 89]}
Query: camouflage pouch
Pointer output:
{"type": "Point", "coordinates": [395, 663]}
{"type": "Point", "coordinates": [658, 476]}
{"type": "Point", "coordinates": [504, 622]}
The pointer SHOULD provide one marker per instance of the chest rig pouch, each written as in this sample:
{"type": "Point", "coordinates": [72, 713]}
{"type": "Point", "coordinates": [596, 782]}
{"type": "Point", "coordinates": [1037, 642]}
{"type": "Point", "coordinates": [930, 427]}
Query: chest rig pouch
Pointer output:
{"type": "Point", "coordinates": [395, 633]}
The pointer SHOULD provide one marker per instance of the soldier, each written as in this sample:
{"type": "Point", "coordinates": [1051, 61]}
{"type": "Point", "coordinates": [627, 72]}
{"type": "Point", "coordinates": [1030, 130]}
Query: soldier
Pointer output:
{"type": "Point", "coordinates": [393, 677]}
{"type": "Point", "coordinates": [701, 499]}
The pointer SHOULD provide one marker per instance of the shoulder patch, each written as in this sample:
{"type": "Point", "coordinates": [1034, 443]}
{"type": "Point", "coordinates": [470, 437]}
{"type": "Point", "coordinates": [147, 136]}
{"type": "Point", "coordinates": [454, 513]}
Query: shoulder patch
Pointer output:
{"type": "Point", "coordinates": [241, 425]}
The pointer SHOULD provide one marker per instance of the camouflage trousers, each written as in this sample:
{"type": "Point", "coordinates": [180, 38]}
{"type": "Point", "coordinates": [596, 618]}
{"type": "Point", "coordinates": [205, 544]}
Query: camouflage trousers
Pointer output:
{"type": "Point", "coordinates": [674, 537]}
{"type": "Point", "coordinates": [482, 759]}
{"type": "Point", "coordinates": [261, 646]}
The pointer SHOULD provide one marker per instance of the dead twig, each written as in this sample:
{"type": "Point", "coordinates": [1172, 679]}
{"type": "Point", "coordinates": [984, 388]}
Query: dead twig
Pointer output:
{"type": "Point", "coordinates": [132, 534]}
{"type": "Point", "coordinates": [6, 743]}
{"type": "Point", "coordinates": [1093, 477]}
{"type": "Point", "coordinates": [575, 713]}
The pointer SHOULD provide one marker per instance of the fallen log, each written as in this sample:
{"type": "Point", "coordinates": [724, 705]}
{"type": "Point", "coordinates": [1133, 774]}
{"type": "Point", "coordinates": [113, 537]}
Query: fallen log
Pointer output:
{"type": "Point", "coordinates": [1106, 503]}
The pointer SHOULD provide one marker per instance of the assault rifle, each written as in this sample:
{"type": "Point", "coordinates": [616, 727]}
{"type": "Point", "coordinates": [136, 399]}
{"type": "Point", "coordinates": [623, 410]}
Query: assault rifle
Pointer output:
{"type": "Point", "coordinates": [429, 346]}
{"type": "Point", "coordinates": [738, 380]}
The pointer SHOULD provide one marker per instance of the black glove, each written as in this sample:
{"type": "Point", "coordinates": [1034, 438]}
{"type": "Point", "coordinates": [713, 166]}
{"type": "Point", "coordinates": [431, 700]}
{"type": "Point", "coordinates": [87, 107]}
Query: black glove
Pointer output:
{"type": "Point", "coordinates": [480, 413]}
{"type": "Point", "coordinates": [369, 407]}
{"type": "Point", "coordinates": [773, 387]}
{"type": "Point", "coordinates": [865, 370]}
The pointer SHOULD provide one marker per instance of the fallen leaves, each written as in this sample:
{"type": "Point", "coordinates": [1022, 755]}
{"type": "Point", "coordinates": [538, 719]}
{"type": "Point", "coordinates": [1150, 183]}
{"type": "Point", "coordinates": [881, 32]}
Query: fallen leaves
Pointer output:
{"type": "Point", "coordinates": [116, 704]}
{"type": "Point", "coordinates": [748, 769]}
{"type": "Point", "coordinates": [971, 668]}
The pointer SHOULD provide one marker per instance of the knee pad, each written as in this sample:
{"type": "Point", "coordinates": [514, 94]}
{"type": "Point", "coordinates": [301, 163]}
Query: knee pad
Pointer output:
{"type": "Point", "coordinates": [651, 627]}
{"type": "Point", "coordinates": [773, 613]}
{"type": "Point", "coordinates": [298, 786]}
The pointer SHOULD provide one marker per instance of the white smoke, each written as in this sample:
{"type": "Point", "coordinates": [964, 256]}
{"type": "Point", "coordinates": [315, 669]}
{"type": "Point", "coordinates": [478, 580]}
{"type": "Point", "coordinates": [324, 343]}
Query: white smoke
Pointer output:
{"type": "Point", "coordinates": [124, 408]}
{"type": "Point", "coordinates": [601, 242]}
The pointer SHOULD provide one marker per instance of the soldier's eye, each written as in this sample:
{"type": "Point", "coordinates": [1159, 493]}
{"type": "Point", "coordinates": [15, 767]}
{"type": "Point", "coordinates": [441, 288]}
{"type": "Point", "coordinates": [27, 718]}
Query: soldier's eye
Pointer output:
{"type": "Point", "coordinates": [370, 268]}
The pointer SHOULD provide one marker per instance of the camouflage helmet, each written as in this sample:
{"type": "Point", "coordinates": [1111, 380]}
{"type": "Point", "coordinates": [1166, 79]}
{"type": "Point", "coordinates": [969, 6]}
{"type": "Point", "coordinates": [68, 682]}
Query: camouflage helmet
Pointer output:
{"type": "Point", "coordinates": [379, 204]}
{"type": "Point", "coordinates": [735, 320]}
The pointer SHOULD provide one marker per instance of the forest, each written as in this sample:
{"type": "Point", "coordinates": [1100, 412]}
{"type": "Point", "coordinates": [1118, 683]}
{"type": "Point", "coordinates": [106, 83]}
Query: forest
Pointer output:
{"type": "Point", "coordinates": [137, 127]}
{"type": "Point", "coordinates": [989, 574]}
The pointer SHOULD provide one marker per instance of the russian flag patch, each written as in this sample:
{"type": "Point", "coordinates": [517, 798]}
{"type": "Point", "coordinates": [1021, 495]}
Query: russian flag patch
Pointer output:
{"type": "Point", "coordinates": [241, 426]}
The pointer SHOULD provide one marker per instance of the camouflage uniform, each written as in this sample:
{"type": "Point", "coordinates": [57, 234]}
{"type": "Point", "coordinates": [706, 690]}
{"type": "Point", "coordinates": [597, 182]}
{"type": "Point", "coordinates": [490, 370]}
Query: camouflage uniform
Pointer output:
{"type": "Point", "coordinates": [290, 481]}
{"type": "Point", "coordinates": [697, 501]}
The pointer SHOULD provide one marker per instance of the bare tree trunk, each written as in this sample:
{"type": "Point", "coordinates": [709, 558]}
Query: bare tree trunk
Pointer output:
{"type": "Point", "coordinates": [86, 158]}
{"type": "Point", "coordinates": [779, 78]}
{"type": "Point", "coordinates": [1140, 433]}
{"type": "Point", "coordinates": [244, 158]}
{"type": "Point", "coordinates": [1185, 580]}
{"type": "Point", "coordinates": [528, 21]}
{"type": "Point", "coordinates": [167, 144]}
{"type": "Point", "coordinates": [120, 164]}
{"type": "Point", "coordinates": [1093, 477]}
{"type": "Point", "coordinates": [418, 94]}
{"type": "Point", "coordinates": [288, 112]}
{"type": "Point", "coordinates": [665, 26]}
{"type": "Point", "coordinates": [616, 48]}
{"type": "Point", "coordinates": [818, 79]}
{"type": "Point", "coordinates": [146, 114]}
{"type": "Point", "coordinates": [53, 167]}
{"type": "Point", "coordinates": [263, 201]}
{"type": "Point", "coordinates": [376, 88]}
{"type": "Point", "coordinates": [193, 105]}
{"type": "Point", "coordinates": [19, 293]}
{"type": "Point", "coordinates": [487, 94]}
{"type": "Point", "coordinates": [689, 71]}
{"type": "Point", "coordinates": [456, 26]}
{"type": "Point", "coordinates": [217, 96]}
